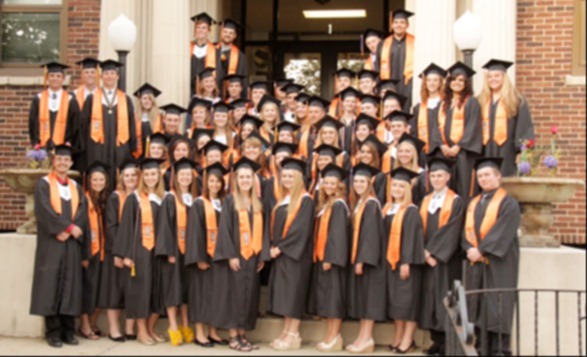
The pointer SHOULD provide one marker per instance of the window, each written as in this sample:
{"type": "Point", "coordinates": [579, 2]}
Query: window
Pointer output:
{"type": "Point", "coordinates": [32, 32]}
{"type": "Point", "coordinates": [579, 39]}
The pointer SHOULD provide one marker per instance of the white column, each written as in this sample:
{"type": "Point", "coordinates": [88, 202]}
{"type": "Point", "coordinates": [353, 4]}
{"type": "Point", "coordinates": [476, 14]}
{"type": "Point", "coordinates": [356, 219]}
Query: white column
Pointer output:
{"type": "Point", "coordinates": [434, 38]}
{"type": "Point", "coordinates": [499, 34]}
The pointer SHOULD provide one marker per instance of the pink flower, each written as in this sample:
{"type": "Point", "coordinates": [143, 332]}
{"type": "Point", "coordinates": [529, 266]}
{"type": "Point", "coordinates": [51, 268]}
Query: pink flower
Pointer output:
{"type": "Point", "coordinates": [554, 130]}
{"type": "Point", "coordinates": [531, 143]}
{"type": "Point", "coordinates": [37, 146]}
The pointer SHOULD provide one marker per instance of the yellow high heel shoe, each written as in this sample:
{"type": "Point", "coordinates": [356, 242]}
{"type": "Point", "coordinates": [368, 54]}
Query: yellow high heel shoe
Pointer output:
{"type": "Point", "coordinates": [187, 334]}
{"type": "Point", "coordinates": [175, 337]}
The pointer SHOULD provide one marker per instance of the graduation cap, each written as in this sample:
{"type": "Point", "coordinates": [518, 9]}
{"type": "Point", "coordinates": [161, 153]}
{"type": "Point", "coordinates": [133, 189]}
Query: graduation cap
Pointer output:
{"type": "Point", "coordinates": [110, 65]}
{"type": "Point", "coordinates": [440, 163]}
{"type": "Point", "coordinates": [497, 65]}
{"type": "Point", "coordinates": [371, 32]}
{"type": "Point", "coordinates": [345, 72]}
{"type": "Point", "coordinates": [150, 163]}
{"type": "Point", "coordinates": [282, 82]}
{"type": "Point", "coordinates": [433, 68]}
{"type": "Point", "coordinates": [484, 162]}
{"type": "Point", "coordinates": [147, 89]}
{"type": "Point", "coordinates": [97, 166]}
{"type": "Point", "coordinates": [365, 170]}
{"type": "Point", "coordinates": [206, 73]}
{"type": "Point", "coordinates": [288, 126]}
{"type": "Point", "coordinates": [128, 163]}
{"type": "Point", "coordinates": [203, 17]}
{"type": "Point", "coordinates": [213, 145]}
{"type": "Point", "coordinates": [315, 101]}
{"type": "Point", "coordinates": [402, 14]}
{"type": "Point", "coordinates": [64, 150]}
{"type": "Point", "coordinates": [293, 88]}
{"type": "Point", "coordinates": [292, 163]}
{"type": "Point", "coordinates": [184, 163]}
{"type": "Point", "coordinates": [368, 98]}
{"type": "Point", "coordinates": [246, 163]}
{"type": "Point", "coordinates": [199, 132]}
{"type": "Point", "coordinates": [173, 108]}
{"type": "Point", "coordinates": [395, 95]}
{"type": "Point", "coordinates": [159, 138]}
{"type": "Point", "coordinates": [418, 144]}
{"type": "Point", "coordinates": [260, 85]}
{"type": "Point", "coordinates": [328, 150]}
{"type": "Point", "coordinates": [460, 68]}
{"type": "Point", "coordinates": [199, 102]}
{"type": "Point", "coordinates": [403, 174]}
{"type": "Point", "coordinates": [55, 67]}
{"type": "Point", "coordinates": [234, 78]}
{"type": "Point", "coordinates": [284, 147]}
{"type": "Point", "coordinates": [379, 146]}
{"type": "Point", "coordinates": [216, 169]}
{"type": "Point", "coordinates": [332, 170]}
{"type": "Point", "coordinates": [387, 84]}
{"type": "Point", "coordinates": [365, 73]}
{"type": "Point", "coordinates": [251, 119]}
{"type": "Point", "coordinates": [328, 122]}
{"type": "Point", "coordinates": [256, 135]}
{"type": "Point", "coordinates": [239, 103]}
{"type": "Point", "coordinates": [363, 118]}
{"type": "Point", "coordinates": [350, 92]}
{"type": "Point", "coordinates": [267, 99]}
{"type": "Point", "coordinates": [230, 24]}
{"type": "Point", "coordinates": [303, 98]}
{"type": "Point", "coordinates": [222, 107]}
{"type": "Point", "coordinates": [88, 63]}
{"type": "Point", "coordinates": [398, 115]}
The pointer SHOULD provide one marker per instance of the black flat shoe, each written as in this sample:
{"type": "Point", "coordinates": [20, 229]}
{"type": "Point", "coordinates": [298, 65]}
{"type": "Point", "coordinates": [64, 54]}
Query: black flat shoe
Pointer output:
{"type": "Point", "coordinates": [117, 339]}
{"type": "Point", "coordinates": [221, 342]}
{"type": "Point", "coordinates": [392, 348]}
{"type": "Point", "coordinates": [71, 341]}
{"type": "Point", "coordinates": [54, 342]}
{"type": "Point", "coordinates": [203, 344]}
{"type": "Point", "coordinates": [433, 350]}
{"type": "Point", "coordinates": [408, 350]}
{"type": "Point", "coordinates": [130, 337]}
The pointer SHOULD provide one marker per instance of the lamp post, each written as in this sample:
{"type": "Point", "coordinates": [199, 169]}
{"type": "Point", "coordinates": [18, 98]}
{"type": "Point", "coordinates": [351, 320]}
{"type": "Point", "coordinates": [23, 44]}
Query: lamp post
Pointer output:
{"type": "Point", "coordinates": [468, 33]}
{"type": "Point", "coordinates": [122, 34]}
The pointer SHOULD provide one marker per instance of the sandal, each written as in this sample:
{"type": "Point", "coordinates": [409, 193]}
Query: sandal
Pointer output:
{"type": "Point", "coordinates": [97, 331]}
{"type": "Point", "coordinates": [244, 340]}
{"type": "Point", "coordinates": [237, 345]}
{"type": "Point", "coordinates": [90, 336]}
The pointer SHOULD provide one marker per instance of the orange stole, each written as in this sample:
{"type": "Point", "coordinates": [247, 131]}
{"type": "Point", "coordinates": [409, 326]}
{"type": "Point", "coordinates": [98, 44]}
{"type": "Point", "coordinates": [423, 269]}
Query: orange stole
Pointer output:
{"type": "Point", "coordinates": [457, 126]}
{"type": "Point", "coordinates": [445, 211]}
{"type": "Point", "coordinates": [234, 57]}
{"type": "Point", "coordinates": [45, 121]}
{"type": "Point", "coordinates": [80, 97]}
{"type": "Point", "coordinates": [97, 129]}
{"type": "Point", "coordinates": [96, 229]}
{"type": "Point", "coordinates": [56, 198]}
{"type": "Point", "coordinates": [322, 236]}
{"type": "Point", "coordinates": [210, 61]}
{"type": "Point", "coordinates": [385, 72]}
{"type": "Point", "coordinates": [358, 217]}
{"type": "Point", "coordinates": [489, 219]}
{"type": "Point", "coordinates": [423, 126]}
{"type": "Point", "coordinates": [121, 198]}
{"type": "Point", "coordinates": [500, 131]}
{"type": "Point", "coordinates": [182, 220]}
{"type": "Point", "coordinates": [303, 149]}
{"type": "Point", "coordinates": [211, 227]}
{"type": "Point", "coordinates": [395, 235]}
{"type": "Point", "coordinates": [255, 245]}
{"type": "Point", "coordinates": [147, 225]}
{"type": "Point", "coordinates": [291, 216]}
{"type": "Point", "coordinates": [369, 64]}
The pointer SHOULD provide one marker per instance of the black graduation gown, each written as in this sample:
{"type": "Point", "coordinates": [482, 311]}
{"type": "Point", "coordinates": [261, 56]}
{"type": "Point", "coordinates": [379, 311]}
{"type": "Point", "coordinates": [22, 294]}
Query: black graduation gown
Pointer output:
{"type": "Point", "coordinates": [328, 291]}
{"type": "Point", "coordinates": [235, 294]}
{"type": "Point", "coordinates": [222, 69]}
{"type": "Point", "coordinates": [421, 188]}
{"type": "Point", "coordinates": [366, 299]}
{"type": "Point", "coordinates": [71, 127]}
{"type": "Point", "coordinates": [57, 275]}
{"type": "Point", "coordinates": [113, 279]}
{"type": "Point", "coordinates": [520, 127]}
{"type": "Point", "coordinates": [108, 152]}
{"type": "Point", "coordinates": [380, 187]}
{"type": "Point", "coordinates": [197, 65]}
{"type": "Point", "coordinates": [397, 60]}
{"type": "Point", "coordinates": [443, 244]}
{"type": "Point", "coordinates": [433, 130]}
{"type": "Point", "coordinates": [173, 276]}
{"type": "Point", "coordinates": [92, 275]}
{"type": "Point", "coordinates": [200, 283]}
{"type": "Point", "coordinates": [501, 246]}
{"type": "Point", "coordinates": [143, 290]}
{"type": "Point", "coordinates": [290, 272]}
{"type": "Point", "coordinates": [403, 296]}
{"type": "Point", "coordinates": [471, 146]}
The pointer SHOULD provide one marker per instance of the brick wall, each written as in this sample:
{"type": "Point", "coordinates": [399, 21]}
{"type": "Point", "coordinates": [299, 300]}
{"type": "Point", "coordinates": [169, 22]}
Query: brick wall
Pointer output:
{"type": "Point", "coordinates": [83, 35]}
{"type": "Point", "coordinates": [544, 59]}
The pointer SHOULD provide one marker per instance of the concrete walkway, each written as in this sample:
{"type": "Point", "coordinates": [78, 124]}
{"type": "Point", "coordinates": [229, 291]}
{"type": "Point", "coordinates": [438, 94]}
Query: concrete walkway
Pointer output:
{"type": "Point", "coordinates": [105, 347]}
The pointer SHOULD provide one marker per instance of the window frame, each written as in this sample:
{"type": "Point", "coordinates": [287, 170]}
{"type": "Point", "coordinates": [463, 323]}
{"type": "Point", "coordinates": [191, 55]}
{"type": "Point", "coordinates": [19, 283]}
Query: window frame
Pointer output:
{"type": "Point", "coordinates": [32, 68]}
{"type": "Point", "coordinates": [578, 68]}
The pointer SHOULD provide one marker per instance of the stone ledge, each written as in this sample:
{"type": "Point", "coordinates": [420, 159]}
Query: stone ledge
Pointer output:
{"type": "Point", "coordinates": [27, 80]}
{"type": "Point", "coordinates": [575, 80]}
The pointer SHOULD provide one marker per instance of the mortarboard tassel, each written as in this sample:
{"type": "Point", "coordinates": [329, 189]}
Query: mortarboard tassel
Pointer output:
{"type": "Point", "coordinates": [133, 271]}
{"type": "Point", "coordinates": [45, 74]}
{"type": "Point", "coordinates": [362, 46]}
{"type": "Point", "coordinates": [390, 21]}
{"type": "Point", "coordinates": [148, 146]}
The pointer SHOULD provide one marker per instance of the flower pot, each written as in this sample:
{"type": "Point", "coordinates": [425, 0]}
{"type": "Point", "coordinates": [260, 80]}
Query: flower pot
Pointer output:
{"type": "Point", "coordinates": [537, 196]}
{"type": "Point", "coordinates": [24, 181]}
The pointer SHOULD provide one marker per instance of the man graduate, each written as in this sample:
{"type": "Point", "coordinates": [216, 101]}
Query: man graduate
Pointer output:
{"type": "Point", "coordinates": [202, 50]}
{"type": "Point", "coordinates": [57, 278]}
{"type": "Point", "coordinates": [493, 250]}
{"type": "Point", "coordinates": [108, 115]}
{"type": "Point", "coordinates": [232, 59]}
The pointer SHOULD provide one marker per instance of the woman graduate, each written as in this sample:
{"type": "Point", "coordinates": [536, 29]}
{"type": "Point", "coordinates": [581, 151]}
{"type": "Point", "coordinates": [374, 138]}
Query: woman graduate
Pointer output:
{"type": "Point", "coordinates": [206, 87]}
{"type": "Point", "coordinates": [323, 156]}
{"type": "Point", "coordinates": [114, 277]}
{"type": "Point", "coordinates": [201, 240]}
{"type": "Point", "coordinates": [292, 224]}
{"type": "Point", "coordinates": [97, 192]}
{"type": "Point", "coordinates": [148, 118]}
{"type": "Point", "coordinates": [506, 116]}
{"type": "Point", "coordinates": [287, 132]}
{"type": "Point", "coordinates": [135, 240]}
{"type": "Point", "coordinates": [328, 292]}
{"type": "Point", "coordinates": [269, 113]}
{"type": "Point", "coordinates": [171, 246]}
{"type": "Point", "coordinates": [442, 214]}
{"type": "Point", "coordinates": [407, 157]}
{"type": "Point", "coordinates": [365, 125]}
{"type": "Point", "coordinates": [240, 253]}
{"type": "Point", "coordinates": [198, 115]}
{"type": "Point", "coordinates": [370, 153]}
{"type": "Point", "coordinates": [272, 186]}
{"type": "Point", "coordinates": [404, 259]}
{"type": "Point", "coordinates": [180, 147]}
{"type": "Point", "coordinates": [366, 297]}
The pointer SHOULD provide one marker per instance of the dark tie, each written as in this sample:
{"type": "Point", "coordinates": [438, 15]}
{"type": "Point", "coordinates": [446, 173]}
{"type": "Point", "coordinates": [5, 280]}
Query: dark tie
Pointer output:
{"type": "Point", "coordinates": [483, 197]}
{"type": "Point", "coordinates": [54, 96]}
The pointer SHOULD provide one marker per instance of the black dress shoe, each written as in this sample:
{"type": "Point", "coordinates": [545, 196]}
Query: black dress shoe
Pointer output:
{"type": "Point", "coordinates": [70, 340]}
{"type": "Point", "coordinates": [433, 350]}
{"type": "Point", "coordinates": [131, 337]}
{"type": "Point", "coordinates": [203, 344]}
{"type": "Point", "coordinates": [117, 339]}
{"type": "Point", "coordinates": [54, 342]}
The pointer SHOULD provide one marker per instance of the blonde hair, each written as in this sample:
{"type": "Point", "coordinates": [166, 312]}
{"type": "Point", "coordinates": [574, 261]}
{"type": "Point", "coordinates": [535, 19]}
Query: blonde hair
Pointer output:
{"type": "Point", "coordinates": [192, 189]}
{"type": "Point", "coordinates": [255, 142]}
{"type": "Point", "coordinates": [193, 124]}
{"type": "Point", "coordinates": [414, 165]}
{"type": "Point", "coordinates": [120, 182]}
{"type": "Point", "coordinates": [509, 95]}
{"type": "Point", "coordinates": [425, 94]}
{"type": "Point", "coordinates": [159, 189]}
{"type": "Point", "coordinates": [227, 131]}
{"type": "Point", "coordinates": [355, 198]}
{"type": "Point", "coordinates": [277, 113]}
{"type": "Point", "coordinates": [336, 141]}
{"type": "Point", "coordinates": [295, 193]}
{"type": "Point", "coordinates": [325, 201]}
{"type": "Point", "coordinates": [407, 194]}
{"type": "Point", "coordinates": [239, 200]}
{"type": "Point", "coordinates": [154, 114]}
